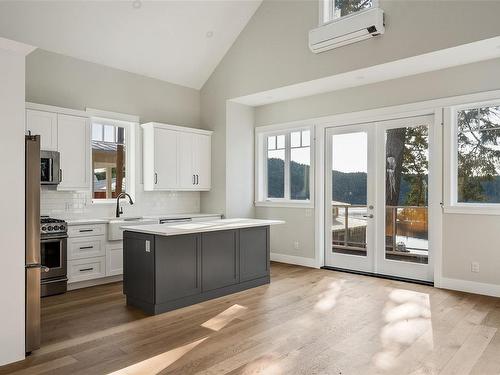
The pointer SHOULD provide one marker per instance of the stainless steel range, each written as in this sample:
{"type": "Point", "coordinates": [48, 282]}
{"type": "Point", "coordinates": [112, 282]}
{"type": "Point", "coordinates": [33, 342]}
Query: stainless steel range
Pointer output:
{"type": "Point", "coordinates": [53, 250]}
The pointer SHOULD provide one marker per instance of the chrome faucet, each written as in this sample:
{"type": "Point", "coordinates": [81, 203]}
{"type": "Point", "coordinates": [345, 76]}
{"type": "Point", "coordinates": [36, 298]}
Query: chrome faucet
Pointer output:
{"type": "Point", "coordinates": [119, 210]}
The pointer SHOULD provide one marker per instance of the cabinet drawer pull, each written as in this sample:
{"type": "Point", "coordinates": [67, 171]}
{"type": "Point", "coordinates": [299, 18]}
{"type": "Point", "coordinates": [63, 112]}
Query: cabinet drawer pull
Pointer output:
{"type": "Point", "coordinates": [156, 178]}
{"type": "Point", "coordinates": [86, 247]}
{"type": "Point", "coordinates": [86, 269]}
{"type": "Point", "coordinates": [86, 230]}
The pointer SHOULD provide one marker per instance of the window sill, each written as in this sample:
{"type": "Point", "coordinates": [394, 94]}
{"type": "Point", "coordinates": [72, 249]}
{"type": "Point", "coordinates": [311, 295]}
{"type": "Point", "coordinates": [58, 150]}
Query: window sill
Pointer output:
{"type": "Point", "coordinates": [285, 204]}
{"type": "Point", "coordinates": [493, 209]}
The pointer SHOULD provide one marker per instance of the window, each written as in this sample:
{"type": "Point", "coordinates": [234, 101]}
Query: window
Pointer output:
{"type": "Point", "coordinates": [109, 160]}
{"type": "Point", "coordinates": [285, 170]}
{"type": "Point", "coordinates": [335, 9]}
{"type": "Point", "coordinates": [477, 134]}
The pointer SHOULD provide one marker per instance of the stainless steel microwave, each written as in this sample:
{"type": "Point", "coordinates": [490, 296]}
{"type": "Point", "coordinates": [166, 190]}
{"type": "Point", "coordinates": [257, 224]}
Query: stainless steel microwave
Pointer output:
{"type": "Point", "coordinates": [50, 171]}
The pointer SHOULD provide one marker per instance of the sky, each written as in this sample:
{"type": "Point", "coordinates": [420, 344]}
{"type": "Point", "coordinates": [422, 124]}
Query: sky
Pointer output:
{"type": "Point", "coordinates": [349, 152]}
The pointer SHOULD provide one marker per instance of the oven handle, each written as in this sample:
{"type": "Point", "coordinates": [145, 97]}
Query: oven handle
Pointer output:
{"type": "Point", "coordinates": [53, 239]}
{"type": "Point", "coordinates": [38, 265]}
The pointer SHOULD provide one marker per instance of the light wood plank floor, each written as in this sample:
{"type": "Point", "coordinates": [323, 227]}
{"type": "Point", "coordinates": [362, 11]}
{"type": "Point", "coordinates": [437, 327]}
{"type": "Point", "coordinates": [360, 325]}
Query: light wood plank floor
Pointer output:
{"type": "Point", "coordinates": [306, 321]}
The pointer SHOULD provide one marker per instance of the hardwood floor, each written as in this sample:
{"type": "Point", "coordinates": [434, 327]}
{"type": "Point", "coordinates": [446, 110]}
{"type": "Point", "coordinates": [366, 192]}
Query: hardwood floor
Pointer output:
{"type": "Point", "coordinates": [307, 321]}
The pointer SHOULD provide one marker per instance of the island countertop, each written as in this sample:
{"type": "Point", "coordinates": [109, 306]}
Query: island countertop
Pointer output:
{"type": "Point", "coordinates": [200, 227]}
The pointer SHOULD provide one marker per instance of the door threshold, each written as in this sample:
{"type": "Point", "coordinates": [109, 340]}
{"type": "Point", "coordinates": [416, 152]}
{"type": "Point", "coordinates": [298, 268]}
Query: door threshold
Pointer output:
{"type": "Point", "coordinates": [381, 276]}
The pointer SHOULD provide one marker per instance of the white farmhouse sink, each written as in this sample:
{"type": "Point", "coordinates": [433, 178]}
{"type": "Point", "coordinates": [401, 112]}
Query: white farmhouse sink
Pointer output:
{"type": "Point", "coordinates": [116, 226]}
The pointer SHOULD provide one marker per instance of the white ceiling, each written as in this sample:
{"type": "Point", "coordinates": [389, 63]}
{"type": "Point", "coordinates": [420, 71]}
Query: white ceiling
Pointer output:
{"type": "Point", "coordinates": [160, 39]}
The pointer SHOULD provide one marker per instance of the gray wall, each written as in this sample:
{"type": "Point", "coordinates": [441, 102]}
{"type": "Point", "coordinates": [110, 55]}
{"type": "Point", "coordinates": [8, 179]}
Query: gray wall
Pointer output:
{"type": "Point", "coordinates": [272, 52]}
{"type": "Point", "coordinates": [466, 238]}
{"type": "Point", "coordinates": [67, 82]}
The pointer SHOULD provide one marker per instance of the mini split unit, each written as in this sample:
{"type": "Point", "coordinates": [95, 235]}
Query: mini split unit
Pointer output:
{"type": "Point", "coordinates": [347, 30]}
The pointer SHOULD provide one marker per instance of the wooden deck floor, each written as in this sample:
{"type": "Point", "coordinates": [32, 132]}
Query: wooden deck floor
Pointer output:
{"type": "Point", "coordinates": [306, 321]}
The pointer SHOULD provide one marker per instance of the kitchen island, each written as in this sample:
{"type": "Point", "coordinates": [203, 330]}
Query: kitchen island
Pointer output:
{"type": "Point", "coordinates": [168, 266]}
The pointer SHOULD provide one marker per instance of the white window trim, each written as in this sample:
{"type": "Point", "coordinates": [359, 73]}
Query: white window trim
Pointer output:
{"type": "Point", "coordinates": [450, 204]}
{"type": "Point", "coordinates": [261, 199]}
{"type": "Point", "coordinates": [332, 5]}
{"type": "Point", "coordinates": [130, 146]}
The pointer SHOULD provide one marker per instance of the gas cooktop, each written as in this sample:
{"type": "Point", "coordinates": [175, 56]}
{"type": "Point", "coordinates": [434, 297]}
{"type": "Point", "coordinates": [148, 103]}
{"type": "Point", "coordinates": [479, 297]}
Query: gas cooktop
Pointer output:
{"type": "Point", "coordinates": [52, 226]}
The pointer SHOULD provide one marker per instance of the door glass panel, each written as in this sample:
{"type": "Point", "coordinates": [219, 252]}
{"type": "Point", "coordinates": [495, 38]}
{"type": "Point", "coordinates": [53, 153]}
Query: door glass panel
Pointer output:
{"type": "Point", "coordinates": [406, 198]}
{"type": "Point", "coordinates": [349, 193]}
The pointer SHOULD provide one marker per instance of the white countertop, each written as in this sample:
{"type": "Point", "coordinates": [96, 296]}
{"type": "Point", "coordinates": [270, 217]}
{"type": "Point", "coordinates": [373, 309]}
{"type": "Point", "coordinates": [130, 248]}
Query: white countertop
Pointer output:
{"type": "Point", "coordinates": [106, 220]}
{"type": "Point", "coordinates": [200, 227]}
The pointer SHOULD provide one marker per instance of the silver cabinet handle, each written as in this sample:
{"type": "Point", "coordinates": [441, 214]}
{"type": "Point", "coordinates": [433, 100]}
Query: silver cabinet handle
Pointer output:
{"type": "Point", "coordinates": [156, 178]}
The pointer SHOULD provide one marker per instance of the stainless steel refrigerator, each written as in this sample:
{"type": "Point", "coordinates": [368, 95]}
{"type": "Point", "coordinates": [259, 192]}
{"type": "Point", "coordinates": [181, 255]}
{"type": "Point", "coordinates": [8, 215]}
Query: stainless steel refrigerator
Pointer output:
{"type": "Point", "coordinates": [33, 261]}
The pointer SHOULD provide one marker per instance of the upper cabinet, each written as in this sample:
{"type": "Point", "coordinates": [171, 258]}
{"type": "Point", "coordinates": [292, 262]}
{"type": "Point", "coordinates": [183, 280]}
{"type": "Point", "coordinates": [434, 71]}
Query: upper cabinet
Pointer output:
{"type": "Point", "coordinates": [67, 133]}
{"type": "Point", "coordinates": [73, 134]}
{"type": "Point", "coordinates": [176, 158]}
{"type": "Point", "coordinates": [44, 124]}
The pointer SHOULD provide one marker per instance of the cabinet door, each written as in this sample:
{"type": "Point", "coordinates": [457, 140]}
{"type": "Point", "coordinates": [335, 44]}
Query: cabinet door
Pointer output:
{"type": "Point", "coordinates": [202, 161]}
{"type": "Point", "coordinates": [165, 159]}
{"type": "Point", "coordinates": [177, 267]}
{"type": "Point", "coordinates": [74, 147]}
{"type": "Point", "coordinates": [185, 167]}
{"type": "Point", "coordinates": [220, 259]}
{"type": "Point", "coordinates": [254, 253]}
{"type": "Point", "coordinates": [114, 259]}
{"type": "Point", "coordinates": [43, 124]}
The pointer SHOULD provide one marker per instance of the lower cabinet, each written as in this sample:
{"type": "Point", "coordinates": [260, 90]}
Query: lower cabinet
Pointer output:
{"type": "Point", "coordinates": [220, 259]}
{"type": "Point", "coordinates": [114, 258]}
{"type": "Point", "coordinates": [177, 266]}
{"type": "Point", "coordinates": [86, 269]}
{"type": "Point", "coordinates": [162, 273]}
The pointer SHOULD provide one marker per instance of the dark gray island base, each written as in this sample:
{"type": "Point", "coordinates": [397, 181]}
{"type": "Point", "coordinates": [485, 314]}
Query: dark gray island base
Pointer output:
{"type": "Point", "coordinates": [166, 272]}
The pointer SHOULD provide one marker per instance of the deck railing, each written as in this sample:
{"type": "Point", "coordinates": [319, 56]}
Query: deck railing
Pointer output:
{"type": "Point", "coordinates": [405, 228]}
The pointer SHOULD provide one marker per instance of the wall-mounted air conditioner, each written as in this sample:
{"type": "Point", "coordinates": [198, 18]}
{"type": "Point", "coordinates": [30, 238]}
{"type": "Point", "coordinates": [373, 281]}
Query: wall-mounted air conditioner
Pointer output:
{"type": "Point", "coordinates": [347, 30]}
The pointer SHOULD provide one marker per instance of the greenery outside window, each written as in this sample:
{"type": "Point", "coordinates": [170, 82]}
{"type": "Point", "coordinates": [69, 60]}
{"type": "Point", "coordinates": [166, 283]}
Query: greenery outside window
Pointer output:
{"type": "Point", "coordinates": [285, 172]}
{"type": "Point", "coordinates": [478, 154]}
{"type": "Point", "coordinates": [331, 10]}
{"type": "Point", "coordinates": [109, 160]}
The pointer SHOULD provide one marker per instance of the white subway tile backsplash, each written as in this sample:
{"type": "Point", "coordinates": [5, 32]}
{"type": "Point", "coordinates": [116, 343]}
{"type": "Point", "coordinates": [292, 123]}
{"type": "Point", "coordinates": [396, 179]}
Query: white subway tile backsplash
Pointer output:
{"type": "Point", "coordinates": [65, 204]}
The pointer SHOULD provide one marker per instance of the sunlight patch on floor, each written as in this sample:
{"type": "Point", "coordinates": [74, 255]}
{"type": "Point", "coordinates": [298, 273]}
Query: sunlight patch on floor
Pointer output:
{"type": "Point", "coordinates": [156, 364]}
{"type": "Point", "coordinates": [224, 318]}
{"type": "Point", "coordinates": [265, 365]}
{"type": "Point", "coordinates": [407, 317]}
{"type": "Point", "coordinates": [328, 299]}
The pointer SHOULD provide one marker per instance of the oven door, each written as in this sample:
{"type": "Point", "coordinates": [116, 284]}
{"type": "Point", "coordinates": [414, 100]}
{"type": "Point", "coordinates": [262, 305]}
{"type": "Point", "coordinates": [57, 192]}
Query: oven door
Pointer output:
{"type": "Point", "coordinates": [53, 256]}
{"type": "Point", "coordinates": [50, 173]}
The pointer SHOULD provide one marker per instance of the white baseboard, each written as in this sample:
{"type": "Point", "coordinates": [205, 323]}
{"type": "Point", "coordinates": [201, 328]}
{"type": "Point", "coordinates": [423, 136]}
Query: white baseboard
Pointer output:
{"type": "Point", "coordinates": [470, 286]}
{"type": "Point", "coordinates": [292, 259]}
{"type": "Point", "coordinates": [94, 282]}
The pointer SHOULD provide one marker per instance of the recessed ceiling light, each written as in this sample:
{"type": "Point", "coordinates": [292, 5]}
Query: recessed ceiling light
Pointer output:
{"type": "Point", "coordinates": [136, 4]}
{"type": "Point", "coordinates": [210, 34]}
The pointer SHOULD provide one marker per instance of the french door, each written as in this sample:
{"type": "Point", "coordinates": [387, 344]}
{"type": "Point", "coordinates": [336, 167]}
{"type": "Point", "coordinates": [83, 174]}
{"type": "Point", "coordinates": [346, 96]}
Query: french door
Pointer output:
{"type": "Point", "coordinates": [377, 198]}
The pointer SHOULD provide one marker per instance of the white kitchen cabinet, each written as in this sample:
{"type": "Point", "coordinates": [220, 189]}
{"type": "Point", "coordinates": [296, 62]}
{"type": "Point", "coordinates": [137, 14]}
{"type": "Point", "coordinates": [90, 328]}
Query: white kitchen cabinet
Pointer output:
{"type": "Point", "coordinates": [44, 124]}
{"type": "Point", "coordinates": [165, 159]}
{"type": "Point", "coordinates": [176, 158]}
{"type": "Point", "coordinates": [73, 135]}
{"type": "Point", "coordinates": [114, 258]}
{"type": "Point", "coordinates": [86, 269]}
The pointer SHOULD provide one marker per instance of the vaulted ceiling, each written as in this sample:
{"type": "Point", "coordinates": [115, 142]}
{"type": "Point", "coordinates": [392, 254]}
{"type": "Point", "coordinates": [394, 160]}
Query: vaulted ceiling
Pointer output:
{"type": "Point", "coordinates": [176, 41]}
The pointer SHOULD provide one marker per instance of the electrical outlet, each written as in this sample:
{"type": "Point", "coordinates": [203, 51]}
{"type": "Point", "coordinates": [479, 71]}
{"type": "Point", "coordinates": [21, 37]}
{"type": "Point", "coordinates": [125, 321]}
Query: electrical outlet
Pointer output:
{"type": "Point", "coordinates": [296, 245]}
{"type": "Point", "coordinates": [474, 267]}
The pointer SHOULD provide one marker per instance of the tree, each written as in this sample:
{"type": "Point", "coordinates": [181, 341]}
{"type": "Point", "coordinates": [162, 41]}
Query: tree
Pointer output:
{"type": "Point", "coordinates": [350, 6]}
{"type": "Point", "coordinates": [478, 155]}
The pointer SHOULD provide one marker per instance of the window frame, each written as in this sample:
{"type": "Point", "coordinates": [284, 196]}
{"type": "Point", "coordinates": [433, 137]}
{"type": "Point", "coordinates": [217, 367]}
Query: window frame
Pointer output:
{"type": "Point", "coordinates": [130, 145]}
{"type": "Point", "coordinates": [451, 203]}
{"type": "Point", "coordinates": [261, 183]}
{"type": "Point", "coordinates": [321, 6]}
